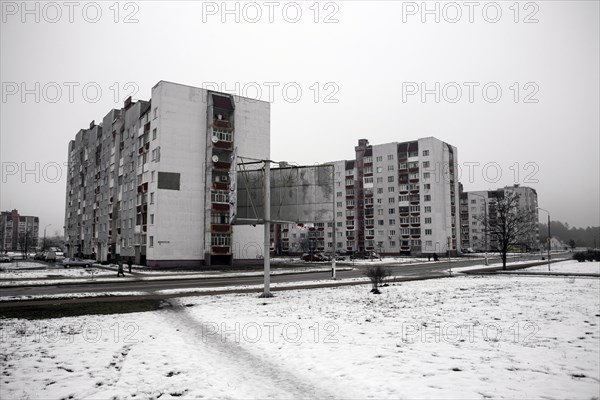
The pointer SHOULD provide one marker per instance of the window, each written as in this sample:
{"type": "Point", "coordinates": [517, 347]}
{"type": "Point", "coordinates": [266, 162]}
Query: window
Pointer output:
{"type": "Point", "coordinates": [425, 153]}
{"type": "Point", "coordinates": [391, 178]}
{"type": "Point", "coordinates": [427, 186]}
{"type": "Point", "coordinates": [425, 164]}
{"type": "Point", "coordinates": [380, 222]}
{"type": "Point", "coordinates": [155, 112]}
{"type": "Point", "coordinates": [473, 201]}
{"type": "Point", "coordinates": [349, 182]}
{"type": "Point", "coordinates": [153, 133]}
{"type": "Point", "coordinates": [379, 158]}
{"type": "Point", "coordinates": [427, 197]}
{"type": "Point", "coordinates": [415, 209]}
{"type": "Point", "coordinates": [369, 170]}
{"type": "Point", "coordinates": [151, 242]}
{"type": "Point", "coordinates": [152, 198]}
{"type": "Point", "coordinates": [339, 194]}
{"type": "Point", "coordinates": [339, 214]}
{"type": "Point", "coordinates": [390, 167]}
{"type": "Point", "coordinates": [379, 212]}
{"type": "Point", "coordinates": [392, 243]}
{"type": "Point", "coordinates": [368, 179]}
{"type": "Point", "coordinates": [392, 222]}
{"type": "Point", "coordinates": [403, 197]}
{"type": "Point", "coordinates": [391, 189]}
{"type": "Point", "coordinates": [368, 201]}
{"type": "Point", "coordinates": [427, 209]}
{"type": "Point", "coordinates": [339, 204]}
{"type": "Point", "coordinates": [427, 220]}
{"type": "Point", "coordinates": [428, 232]}
{"type": "Point", "coordinates": [379, 201]}
{"type": "Point", "coordinates": [380, 179]}
{"type": "Point", "coordinates": [391, 211]}
{"type": "Point", "coordinates": [391, 200]}
{"type": "Point", "coordinates": [151, 177]}
{"type": "Point", "coordinates": [390, 157]}
{"type": "Point", "coordinates": [379, 169]}
{"type": "Point", "coordinates": [426, 175]}
{"type": "Point", "coordinates": [350, 203]}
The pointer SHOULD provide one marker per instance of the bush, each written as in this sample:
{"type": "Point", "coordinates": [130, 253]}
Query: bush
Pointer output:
{"type": "Point", "coordinates": [590, 255]}
{"type": "Point", "coordinates": [377, 275]}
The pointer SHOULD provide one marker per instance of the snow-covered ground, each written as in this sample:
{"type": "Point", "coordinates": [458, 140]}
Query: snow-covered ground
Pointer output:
{"type": "Point", "coordinates": [569, 267]}
{"type": "Point", "coordinates": [461, 337]}
{"type": "Point", "coordinates": [75, 275]}
{"type": "Point", "coordinates": [75, 272]}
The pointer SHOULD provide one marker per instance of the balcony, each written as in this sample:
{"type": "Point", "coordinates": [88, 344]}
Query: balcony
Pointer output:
{"type": "Point", "coordinates": [222, 124]}
{"type": "Point", "coordinates": [220, 228]}
{"type": "Point", "coordinates": [220, 186]}
{"type": "Point", "coordinates": [220, 207]}
{"type": "Point", "coordinates": [224, 145]}
{"type": "Point", "coordinates": [222, 165]}
{"type": "Point", "coordinates": [220, 250]}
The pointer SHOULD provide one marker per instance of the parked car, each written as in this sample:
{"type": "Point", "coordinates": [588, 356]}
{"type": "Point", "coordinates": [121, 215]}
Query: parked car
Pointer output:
{"type": "Point", "coordinates": [364, 255]}
{"type": "Point", "coordinates": [314, 257]}
{"type": "Point", "coordinates": [5, 258]}
{"type": "Point", "coordinates": [76, 262]}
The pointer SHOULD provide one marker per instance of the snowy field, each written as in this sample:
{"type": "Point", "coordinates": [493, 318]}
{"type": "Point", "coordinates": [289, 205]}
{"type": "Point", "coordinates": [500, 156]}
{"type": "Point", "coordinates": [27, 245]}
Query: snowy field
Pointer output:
{"type": "Point", "coordinates": [569, 267]}
{"type": "Point", "coordinates": [461, 337]}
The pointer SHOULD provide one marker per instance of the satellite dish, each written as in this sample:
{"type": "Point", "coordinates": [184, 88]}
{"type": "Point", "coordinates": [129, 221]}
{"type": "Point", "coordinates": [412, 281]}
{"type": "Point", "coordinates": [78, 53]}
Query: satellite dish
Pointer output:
{"type": "Point", "coordinates": [215, 158]}
{"type": "Point", "coordinates": [215, 139]}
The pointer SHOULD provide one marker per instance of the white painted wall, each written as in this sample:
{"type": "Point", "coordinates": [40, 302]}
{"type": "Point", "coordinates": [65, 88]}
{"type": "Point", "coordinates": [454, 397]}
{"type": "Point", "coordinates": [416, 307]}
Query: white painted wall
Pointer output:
{"type": "Point", "coordinates": [178, 228]}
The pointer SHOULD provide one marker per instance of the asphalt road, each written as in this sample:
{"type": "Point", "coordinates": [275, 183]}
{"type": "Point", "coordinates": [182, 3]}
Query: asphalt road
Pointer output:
{"type": "Point", "coordinates": [422, 270]}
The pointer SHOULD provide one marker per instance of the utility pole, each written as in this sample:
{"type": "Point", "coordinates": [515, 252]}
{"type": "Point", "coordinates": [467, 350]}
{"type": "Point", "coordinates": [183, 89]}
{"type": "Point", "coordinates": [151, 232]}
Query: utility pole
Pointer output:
{"type": "Point", "coordinates": [44, 244]}
{"type": "Point", "coordinates": [449, 246]}
{"type": "Point", "coordinates": [549, 237]}
{"type": "Point", "coordinates": [267, 227]}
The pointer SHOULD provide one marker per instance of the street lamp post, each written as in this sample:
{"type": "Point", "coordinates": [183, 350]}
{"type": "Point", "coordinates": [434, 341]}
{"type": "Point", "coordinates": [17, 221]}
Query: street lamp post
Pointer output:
{"type": "Point", "coordinates": [44, 245]}
{"type": "Point", "coordinates": [549, 237]}
{"type": "Point", "coordinates": [485, 224]}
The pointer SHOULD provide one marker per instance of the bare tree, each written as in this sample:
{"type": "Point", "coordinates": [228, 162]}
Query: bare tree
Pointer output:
{"type": "Point", "coordinates": [26, 242]}
{"type": "Point", "coordinates": [507, 224]}
{"type": "Point", "coordinates": [377, 275]}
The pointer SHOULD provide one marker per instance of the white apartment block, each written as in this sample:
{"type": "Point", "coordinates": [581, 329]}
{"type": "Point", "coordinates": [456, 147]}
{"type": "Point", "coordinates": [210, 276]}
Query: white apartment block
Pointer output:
{"type": "Point", "coordinates": [394, 198]}
{"type": "Point", "coordinates": [151, 181]}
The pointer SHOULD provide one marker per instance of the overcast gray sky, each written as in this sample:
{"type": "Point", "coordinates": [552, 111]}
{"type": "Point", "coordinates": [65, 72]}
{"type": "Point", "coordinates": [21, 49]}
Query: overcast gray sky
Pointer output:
{"type": "Point", "coordinates": [517, 84]}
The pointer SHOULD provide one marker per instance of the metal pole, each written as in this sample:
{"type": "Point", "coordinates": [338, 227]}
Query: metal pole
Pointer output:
{"type": "Point", "coordinates": [549, 237]}
{"type": "Point", "coordinates": [449, 263]}
{"type": "Point", "coordinates": [334, 244]}
{"type": "Point", "coordinates": [549, 240]}
{"type": "Point", "coordinates": [267, 227]}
